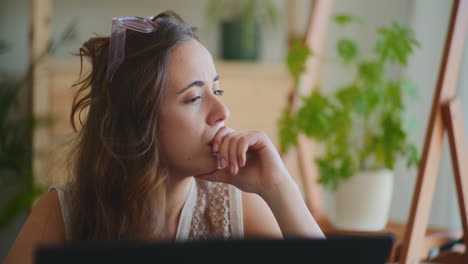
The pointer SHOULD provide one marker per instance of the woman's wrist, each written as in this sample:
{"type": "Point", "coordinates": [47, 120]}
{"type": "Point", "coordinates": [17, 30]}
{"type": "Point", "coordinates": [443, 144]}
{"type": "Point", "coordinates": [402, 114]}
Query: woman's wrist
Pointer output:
{"type": "Point", "coordinates": [279, 190]}
{"type": "Point", "coordinates": [282, 183]}
{"type": "Point", "coordinates": [287, 204]}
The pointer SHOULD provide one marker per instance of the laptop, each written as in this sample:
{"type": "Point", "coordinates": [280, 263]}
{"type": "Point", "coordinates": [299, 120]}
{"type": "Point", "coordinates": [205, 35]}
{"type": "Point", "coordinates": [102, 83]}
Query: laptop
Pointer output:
{"type": "Point", "coordinates": [334, 249]}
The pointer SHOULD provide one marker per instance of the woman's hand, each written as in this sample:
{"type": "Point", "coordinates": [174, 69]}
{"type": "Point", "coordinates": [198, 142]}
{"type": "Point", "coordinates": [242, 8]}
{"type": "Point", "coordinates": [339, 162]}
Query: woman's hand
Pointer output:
{"type": "Point", "coordinates": [249, 161]}
{"type": "Point", "coordinates": [252, 164]}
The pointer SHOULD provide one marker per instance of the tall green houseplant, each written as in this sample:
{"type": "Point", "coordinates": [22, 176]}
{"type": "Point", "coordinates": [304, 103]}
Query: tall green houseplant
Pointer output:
{"type": "Point", "coordinates": [361, 125]}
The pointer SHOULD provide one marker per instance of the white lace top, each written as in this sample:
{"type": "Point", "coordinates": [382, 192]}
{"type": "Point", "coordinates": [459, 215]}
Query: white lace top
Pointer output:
{"type": "Point", "coordinates": [221, 203]}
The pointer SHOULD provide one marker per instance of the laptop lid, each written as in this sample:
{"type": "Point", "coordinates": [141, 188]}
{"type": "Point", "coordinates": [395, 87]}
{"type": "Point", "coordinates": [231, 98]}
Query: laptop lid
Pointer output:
{"type": "Point", "coordinates": [336, 249]}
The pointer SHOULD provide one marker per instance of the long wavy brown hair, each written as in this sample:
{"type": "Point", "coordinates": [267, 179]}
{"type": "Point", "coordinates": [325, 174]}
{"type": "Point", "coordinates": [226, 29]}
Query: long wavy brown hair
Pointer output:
{"type": "Point", "coordinates": [117, 170]}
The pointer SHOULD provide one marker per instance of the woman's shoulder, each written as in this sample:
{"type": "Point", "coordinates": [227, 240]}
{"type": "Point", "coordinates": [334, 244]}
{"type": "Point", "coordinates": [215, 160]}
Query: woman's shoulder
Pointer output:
{"type": "Point", "coordinates": [48, 213]}
{"type": "Point", "coordinates": [65, 194]}
{"type": "Point", "coordinates": [44, 225]}
{"type": "Point", "coordinates": [259, 220]}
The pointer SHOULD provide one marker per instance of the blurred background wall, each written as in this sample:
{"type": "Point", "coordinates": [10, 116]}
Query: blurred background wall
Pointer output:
{"type": "Point", "coordinates": [428, 18]}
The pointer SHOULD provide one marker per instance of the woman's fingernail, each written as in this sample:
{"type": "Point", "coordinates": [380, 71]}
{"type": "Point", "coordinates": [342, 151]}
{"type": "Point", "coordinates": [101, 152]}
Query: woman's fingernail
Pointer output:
{"type": "Point", "coordinates": [218, 165]}
{"type": "Point", "coordinates": [215, 147]}
{"type": "Point", "coordinates": [233, 169]}
{"type": "Point", "coordinates": [223, 163]}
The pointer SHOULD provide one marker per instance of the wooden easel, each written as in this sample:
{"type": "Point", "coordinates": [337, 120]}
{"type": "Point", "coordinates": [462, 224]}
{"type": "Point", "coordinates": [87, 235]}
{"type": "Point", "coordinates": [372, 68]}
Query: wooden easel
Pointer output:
{"type": "Point", "coordinates": [316, 32]}
{"type": "Point", "coordinates": [445, 115]}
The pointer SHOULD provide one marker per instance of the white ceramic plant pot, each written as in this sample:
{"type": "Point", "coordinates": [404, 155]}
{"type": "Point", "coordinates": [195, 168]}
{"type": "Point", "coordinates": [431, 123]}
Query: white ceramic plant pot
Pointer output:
{"type": "Point", "coordinates": [362, 202]}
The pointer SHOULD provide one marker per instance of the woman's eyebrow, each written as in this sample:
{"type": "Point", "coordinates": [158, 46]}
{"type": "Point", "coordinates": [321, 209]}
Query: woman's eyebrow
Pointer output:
{"type": "Point", "coordinates": [196, 83]}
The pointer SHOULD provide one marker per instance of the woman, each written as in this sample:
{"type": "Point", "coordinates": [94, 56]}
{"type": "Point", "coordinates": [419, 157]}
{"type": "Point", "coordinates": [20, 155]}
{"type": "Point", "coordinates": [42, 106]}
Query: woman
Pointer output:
{"type": "Point", "coordinates": [153, 158]}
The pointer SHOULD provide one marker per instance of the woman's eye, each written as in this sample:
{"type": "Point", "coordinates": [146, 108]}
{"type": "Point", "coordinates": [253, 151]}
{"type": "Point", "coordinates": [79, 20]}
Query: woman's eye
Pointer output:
{"type": "Point", "coordinates": [217, 92]}
{"type": "Point", "coordinates": [192, 100]}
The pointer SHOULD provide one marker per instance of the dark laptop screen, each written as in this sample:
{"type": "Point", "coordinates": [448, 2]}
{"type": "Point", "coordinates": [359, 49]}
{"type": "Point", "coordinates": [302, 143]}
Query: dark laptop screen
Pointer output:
{"type": "Point", "coordinates": [349, 249]}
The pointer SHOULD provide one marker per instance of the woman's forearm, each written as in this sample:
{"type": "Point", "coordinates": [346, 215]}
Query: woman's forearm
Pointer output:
{"type": "Point", "coordinates": [291, 212]}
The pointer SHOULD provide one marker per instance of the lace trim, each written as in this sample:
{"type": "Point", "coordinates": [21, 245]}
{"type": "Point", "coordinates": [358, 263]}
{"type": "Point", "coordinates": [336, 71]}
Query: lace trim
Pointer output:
{"type": "Point", "coordinates": [212, 210]}
{"type": "Point", "coordinates": [218, 213]}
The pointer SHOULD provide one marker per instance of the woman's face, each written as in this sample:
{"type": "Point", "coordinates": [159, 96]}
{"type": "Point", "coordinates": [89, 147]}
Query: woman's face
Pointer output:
{"type": "Point", "coordinates": [192, 112]}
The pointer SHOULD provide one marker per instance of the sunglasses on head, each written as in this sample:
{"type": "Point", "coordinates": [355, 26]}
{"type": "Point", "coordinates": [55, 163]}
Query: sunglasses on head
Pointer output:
{"type": "Point", "coordinates": [117, 39]}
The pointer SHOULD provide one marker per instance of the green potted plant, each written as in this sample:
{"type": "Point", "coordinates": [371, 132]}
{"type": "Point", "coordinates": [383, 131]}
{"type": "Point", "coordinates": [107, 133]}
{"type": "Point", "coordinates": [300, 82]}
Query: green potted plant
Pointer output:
{"type": "Point", "coordinates": [17, 183]}
{"type": "Point", "coordinates": [360, 126]}
{"type": "Point", "coordinates": [241, 21]}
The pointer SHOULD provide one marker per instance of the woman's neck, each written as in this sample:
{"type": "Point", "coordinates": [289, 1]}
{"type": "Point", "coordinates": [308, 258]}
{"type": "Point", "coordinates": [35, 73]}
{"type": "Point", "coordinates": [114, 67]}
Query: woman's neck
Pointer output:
{"type": "Point", "coordinates": [177, 193]}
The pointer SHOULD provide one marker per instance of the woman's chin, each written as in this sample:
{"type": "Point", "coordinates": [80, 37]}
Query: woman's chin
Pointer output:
{"type": "Point", "coordinates": [208, 169]}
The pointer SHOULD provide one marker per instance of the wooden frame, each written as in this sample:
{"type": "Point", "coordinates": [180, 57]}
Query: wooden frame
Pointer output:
{"type": "Point", "coordinates": [315, 37]}
{"type": "Point", "coordinates": [39, 37]}
{"type": "Point", "coordinates": [450, 120]}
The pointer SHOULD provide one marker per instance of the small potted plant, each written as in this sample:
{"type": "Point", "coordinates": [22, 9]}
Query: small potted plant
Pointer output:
{"type": "Point", "coordinates": [240, 25]}
{"type": "Point", "coordinates": [359, 127]}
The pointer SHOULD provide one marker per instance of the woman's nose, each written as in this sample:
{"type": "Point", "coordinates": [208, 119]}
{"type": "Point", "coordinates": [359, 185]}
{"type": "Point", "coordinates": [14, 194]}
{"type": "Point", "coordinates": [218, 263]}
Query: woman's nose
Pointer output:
{"type": "Point", "coordinates": [218, 112]}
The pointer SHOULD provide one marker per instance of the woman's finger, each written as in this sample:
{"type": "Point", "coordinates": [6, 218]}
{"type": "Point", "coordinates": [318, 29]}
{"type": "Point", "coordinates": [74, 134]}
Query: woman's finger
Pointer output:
{"type": "Point", "coordinates": [224, 150]}
{"type": "Point", "coordinates": [242, 147]}
{"type": "Point", "coordinates": [233, 168]}
{"type": "Point", "coordinates": [217, 139]}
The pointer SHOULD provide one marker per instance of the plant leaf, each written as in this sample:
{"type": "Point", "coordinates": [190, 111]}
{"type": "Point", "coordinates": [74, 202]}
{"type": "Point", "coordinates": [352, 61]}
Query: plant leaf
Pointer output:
{"type": "Point", "coordinates": [345, 19]}
{"type": "Point", "coordinates": [370, 72]}
{"type": "Point", "coordinates": [287, 131]}
{"type": "Point", "coordinates": [412, 156]}
{"type": "Point", "coordinates": [297, 58]}
{"type": "Point", "coordinates": [395, 44]}
{"type": "Point", "coordinates": [313, 117]}
{"type": "Point", "coordinates": [347, 49]}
